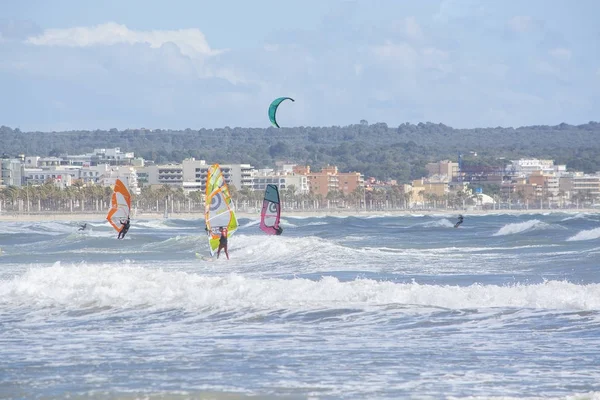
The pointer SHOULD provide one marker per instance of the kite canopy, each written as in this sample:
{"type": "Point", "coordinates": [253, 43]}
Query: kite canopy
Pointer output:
{"type": "Point", "coordinates": [273, 109]}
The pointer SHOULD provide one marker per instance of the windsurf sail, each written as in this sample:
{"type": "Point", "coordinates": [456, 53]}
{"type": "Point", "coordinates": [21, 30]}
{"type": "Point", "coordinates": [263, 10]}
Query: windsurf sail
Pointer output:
{"type": "Point", "coordinates": [120, 205]}
{"type": "Point", "coordinates": [218, 210]}
{"type": "Point", "coordinates": [271, 211]}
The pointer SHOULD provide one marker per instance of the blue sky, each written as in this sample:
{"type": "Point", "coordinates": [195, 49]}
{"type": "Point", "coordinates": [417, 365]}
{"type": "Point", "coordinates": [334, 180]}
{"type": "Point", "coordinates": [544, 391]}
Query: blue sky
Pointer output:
{"type": "Point", "coordinates": [68, 64]}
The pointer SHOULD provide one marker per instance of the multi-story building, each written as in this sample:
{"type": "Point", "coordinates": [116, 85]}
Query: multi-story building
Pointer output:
{"type": "Point", "coordinates": [422, 188]}
{"type": "Point", "coordinates": [238, 175]}
{"type": "Point", "coordinates": [443, 168]}
{"type": "Point", "coordinates": [283, 180]}
{"type": "Point", "coordinates": [166, 174]}
{"type": "Point", "coordinates": [546, 183]}
{"type": "Point", "coordinates": [348, 182]}
{"type": "Point", "coordinates": [62, 176]}
{"type": "Point", "coordinates": [12, 172]}
{"type": "Point", "coordinates": [330, 179]}
{"type": "Point", "coordinates": [108, 156]}
{"type": "Point", "coordinates": [193, 173]}
{"type": "Point", "coordinates": [525, 167]}
{"type": "Point", "coordinates": [321, 183]}
{"type": "Point", "coordinates": [587, 186]}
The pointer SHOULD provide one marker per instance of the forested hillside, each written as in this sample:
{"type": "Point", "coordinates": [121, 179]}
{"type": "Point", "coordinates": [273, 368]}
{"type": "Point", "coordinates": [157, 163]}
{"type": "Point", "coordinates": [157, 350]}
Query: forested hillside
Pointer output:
{"type": "Point", "coordinates": [375, 150]}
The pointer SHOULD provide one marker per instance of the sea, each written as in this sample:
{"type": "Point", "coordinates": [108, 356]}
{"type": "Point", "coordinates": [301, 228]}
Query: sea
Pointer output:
{"type": "Point", "coordinates": [358, 307]}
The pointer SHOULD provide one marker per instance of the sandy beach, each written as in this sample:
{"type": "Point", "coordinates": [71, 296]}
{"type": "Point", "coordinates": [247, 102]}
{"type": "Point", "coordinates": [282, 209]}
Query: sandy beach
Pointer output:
{"type": "Point", "coordinates": [12, 217]}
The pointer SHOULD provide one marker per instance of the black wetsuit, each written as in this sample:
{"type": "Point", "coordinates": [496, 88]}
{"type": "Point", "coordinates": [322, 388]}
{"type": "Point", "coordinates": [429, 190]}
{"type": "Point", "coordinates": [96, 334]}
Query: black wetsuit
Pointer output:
{"type": "Point", "coordinates": [124, 230]}
{"type": "Point", "coordinates": [223, 239]}
{"type": "Point", "coordinates": [278, 230]}
{"type": "Point", "coordinates": [460, 221]}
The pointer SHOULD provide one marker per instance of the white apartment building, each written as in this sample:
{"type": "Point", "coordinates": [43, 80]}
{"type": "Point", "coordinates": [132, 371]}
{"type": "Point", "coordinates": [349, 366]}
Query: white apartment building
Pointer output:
{"type": "Point", "coordinates": [192, 173]}
{"type": "Point", "coordinates": [125, 173]}
{"type": "Point", "coordinates": [587, 184]}
{"type": "Point", "coordinates": [166, 174]}
{"type": "Point", "coordinates": [11, 172]}
{"type": "Point", "coordinates": [112, 156]}
{"type": "Point", "coordinates": [62, 176]}
{"type": "Point", "coordinates": [238, 175]}
{"type": "Point", "coordinates": [283, 180]}
{"type": "Point", "coordinates": [525, 167]}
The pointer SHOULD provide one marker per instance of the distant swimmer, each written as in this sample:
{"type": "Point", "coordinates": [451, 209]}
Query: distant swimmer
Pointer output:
{"type": "Point", "coordinates": [82, 227]}
{"type": "Point", "coordinates": [223, 242]}
{"type": "Point", "coordinates": [460, 221]}
{"type": "Point", "coordinates": [278, 230]}
{"type": "Point", "coordinates": [124, 229]}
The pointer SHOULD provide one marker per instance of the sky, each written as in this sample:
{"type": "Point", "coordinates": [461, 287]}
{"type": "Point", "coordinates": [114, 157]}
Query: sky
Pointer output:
{"type": "Point", "coordinates": [83, 64]}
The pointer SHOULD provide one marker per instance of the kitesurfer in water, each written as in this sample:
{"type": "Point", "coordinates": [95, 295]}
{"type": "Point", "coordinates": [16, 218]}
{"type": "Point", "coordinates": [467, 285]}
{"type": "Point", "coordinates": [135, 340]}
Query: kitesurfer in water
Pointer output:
{"type": "Point", "coordinates": [460, 221]}
{"type": "Point", "coordinates": [124, 229]}
{"type": "Point", "coordinates": [82, 227]}
{"type": "Point", "coordinates": [223, 242]}
{"type": "Point", "coordinates": [278, 230]}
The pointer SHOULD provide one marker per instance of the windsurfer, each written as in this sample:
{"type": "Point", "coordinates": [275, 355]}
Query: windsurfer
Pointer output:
{"type": "Point", "coordinates": [460, 221]}
{"type": "Point", "coordinates": [278, 230]}
{"type": "Point", "coordinates": [223, 242]}
{"type": "Point", "coordinates": [124, 229]}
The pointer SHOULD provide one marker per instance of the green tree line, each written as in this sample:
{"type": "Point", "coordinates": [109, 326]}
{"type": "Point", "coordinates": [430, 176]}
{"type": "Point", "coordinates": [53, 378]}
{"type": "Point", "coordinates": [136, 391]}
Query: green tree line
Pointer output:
{"type": "Point", "coordinates": [376, 150]}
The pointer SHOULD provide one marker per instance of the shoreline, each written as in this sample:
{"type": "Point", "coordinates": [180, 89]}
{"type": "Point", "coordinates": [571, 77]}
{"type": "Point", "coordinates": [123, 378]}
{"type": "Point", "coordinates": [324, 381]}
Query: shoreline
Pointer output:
{"type": "Point", "coordinates": [83, 217]}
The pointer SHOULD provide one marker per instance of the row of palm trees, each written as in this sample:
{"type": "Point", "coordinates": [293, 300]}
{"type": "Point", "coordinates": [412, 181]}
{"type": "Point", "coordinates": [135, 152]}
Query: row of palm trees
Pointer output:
{"type": "Point", "coordinates": [93, 198]}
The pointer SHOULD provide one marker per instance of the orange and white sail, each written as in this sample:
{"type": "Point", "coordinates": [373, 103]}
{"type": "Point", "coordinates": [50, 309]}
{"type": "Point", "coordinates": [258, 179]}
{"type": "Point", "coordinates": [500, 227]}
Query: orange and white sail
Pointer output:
{"type": "Point", "coordinates": [120, 205]}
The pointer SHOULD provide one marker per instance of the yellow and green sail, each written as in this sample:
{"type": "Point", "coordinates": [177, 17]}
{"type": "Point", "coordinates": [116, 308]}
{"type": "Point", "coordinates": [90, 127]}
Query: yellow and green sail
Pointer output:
{"type": "Point", "coordinates": [218, 210]}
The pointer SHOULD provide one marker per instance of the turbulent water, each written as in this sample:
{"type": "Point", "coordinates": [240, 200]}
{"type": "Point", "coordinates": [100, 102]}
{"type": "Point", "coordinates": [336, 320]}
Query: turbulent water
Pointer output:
{"type": "Point", "coordinates": [356, 307]}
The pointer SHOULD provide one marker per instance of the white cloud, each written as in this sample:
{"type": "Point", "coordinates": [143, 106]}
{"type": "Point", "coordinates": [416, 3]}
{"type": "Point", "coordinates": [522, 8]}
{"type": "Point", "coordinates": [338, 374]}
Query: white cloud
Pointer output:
{"type": "Point", "coordinates": [520, 23]}
{"type": "Point", "coordinates": [191, 41]}
{"type": "Point", "coordinates": [561, 53]}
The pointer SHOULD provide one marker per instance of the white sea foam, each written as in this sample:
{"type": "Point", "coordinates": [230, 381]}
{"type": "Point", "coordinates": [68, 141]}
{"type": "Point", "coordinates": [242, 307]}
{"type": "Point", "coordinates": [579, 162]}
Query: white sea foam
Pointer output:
{"type": "Point", "coordinates": [575, 396]}
{"type": "Point", "coordinates": [84, 286]}
{"type": "Point", "coordinates": [576, 216]}
{"type": "Point", "coordinates": [590, 234]}
{"type": "Point", "coordinates": [438, 223]}
{"type": "Point", "coordinates": [520, 227]}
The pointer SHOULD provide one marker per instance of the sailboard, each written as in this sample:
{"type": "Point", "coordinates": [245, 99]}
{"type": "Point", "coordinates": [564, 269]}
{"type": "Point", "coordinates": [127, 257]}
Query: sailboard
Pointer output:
{"type": "Point", "coordinates": [218, 209]}
{"type": "Point", "coordinates": [120, 205]}
{"type": "Point", "coordinates": [271, 211]}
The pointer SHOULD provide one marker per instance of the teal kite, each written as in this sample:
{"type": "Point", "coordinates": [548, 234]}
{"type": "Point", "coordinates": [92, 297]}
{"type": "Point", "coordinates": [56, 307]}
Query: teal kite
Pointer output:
{"type": "Point", "coordinates": [273, 109]}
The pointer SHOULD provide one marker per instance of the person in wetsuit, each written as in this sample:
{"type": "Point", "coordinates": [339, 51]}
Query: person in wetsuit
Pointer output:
{"type": "Point", "coordinates": [223, 242]}
{"type": "Point", "coordinates": [278, 230]}
{"type": "Point", "coordinates": [82, 227]}
{"type": "Point", "coordinates": [460, 221]}
{"type": "Point", "coordinates": [124, 229]}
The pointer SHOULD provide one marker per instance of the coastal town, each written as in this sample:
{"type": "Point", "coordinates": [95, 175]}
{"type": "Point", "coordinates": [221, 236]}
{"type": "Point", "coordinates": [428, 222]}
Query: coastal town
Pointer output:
{"type": "Point", "coordinates": [179, 187]}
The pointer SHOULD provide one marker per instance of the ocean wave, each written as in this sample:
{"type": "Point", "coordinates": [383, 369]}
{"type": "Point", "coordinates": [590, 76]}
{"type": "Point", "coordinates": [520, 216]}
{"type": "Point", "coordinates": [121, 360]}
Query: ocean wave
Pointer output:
{"type": "Point", "coordinates": [590, 234]}
{"type": "Point", "coordinates": [520, 227]}
{"type": "Point", "coordinates": [99, 286]}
